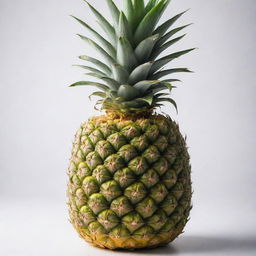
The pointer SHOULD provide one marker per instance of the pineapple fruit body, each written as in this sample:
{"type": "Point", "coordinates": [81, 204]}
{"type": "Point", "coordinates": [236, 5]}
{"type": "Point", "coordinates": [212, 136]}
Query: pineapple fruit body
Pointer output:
{"type": "Point", "coordinates": [129, 182]}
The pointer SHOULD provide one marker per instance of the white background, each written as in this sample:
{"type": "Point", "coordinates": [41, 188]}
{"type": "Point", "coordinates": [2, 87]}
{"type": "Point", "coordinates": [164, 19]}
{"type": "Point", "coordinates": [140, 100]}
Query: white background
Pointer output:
{"type": "Point", "coordinates": [40, 114]}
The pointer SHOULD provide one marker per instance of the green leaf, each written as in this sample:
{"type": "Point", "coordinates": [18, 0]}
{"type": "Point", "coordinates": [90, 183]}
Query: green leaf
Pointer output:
{"type": "Point", "coordinates": [150, 5]}
{"type": "Point", "coordinates": [125, 54]}
{"type": "Point", "coordinates": [168, 85]}
{"type": "Point", "coordinates": [109, 30]}
{"type": "Point", "coordinates": [144, 49]}
{"type": "Point", "coordinates": [154, 87]}
{"type": "Point", "coordinates": [148, 99]}
{"type": "Point", "coordinates": [159, 88]}
{"type": "Point", "coordinates": [107, 46]}
{"type": "Point", "coordinates": [166, 25]}
{"type": "Point", "coordinates": [140, 73]}
{"type": "Point", "coordinates": [158, 95]}
{"type": "Point", "coordinates": [164, 38]}
{"type": "Point", "coordinates": [165, 46]}
{"type": "Point", "coordinates": [93, 74]}
{"type": "Point", "coordinates": [94, 70]}
{"type": "Point", "coordinates": [147, 25]}
{"type": "Point", "coordinates": [132, 105]}
{"type": "Point", "coordinates": [171, 80]}
{"type": "Point", "coordinates": [127, 92]}
{"type": "Point", "coordinates": [165, 60]}
{"type": "Point", "coordinates": [166, 72]}
{"type": "Point", "coordinates": [99, 49]}
{"type": "Point", "coordinates": [98, 94]}
{"type": "Point", "coordinates": [96, 62]}
{"type": "Point", "coordinates": [113, 84]}
{"type": "Point", "coordinates": [138, 6]}
{"type": "Point", "coordinates": [143, 86]}
{"type": "Point", "coordinates": [124, 29]}
{"type": "Point", "coordinates": [167, 100]}
{"type": "Point", "coordinates": [89, 83]}
{"type": "Point", "coordinates": [129, 13]}
{"type": "Point", "coordinates": [120, 74]}
{"type": "Point", "coordinates": [114, 11]}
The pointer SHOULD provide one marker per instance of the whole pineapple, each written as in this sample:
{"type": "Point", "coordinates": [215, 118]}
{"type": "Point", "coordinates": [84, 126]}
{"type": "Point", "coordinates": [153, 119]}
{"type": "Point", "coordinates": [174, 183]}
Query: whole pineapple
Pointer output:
{"type": "Point", "coordinates": [129, 174]}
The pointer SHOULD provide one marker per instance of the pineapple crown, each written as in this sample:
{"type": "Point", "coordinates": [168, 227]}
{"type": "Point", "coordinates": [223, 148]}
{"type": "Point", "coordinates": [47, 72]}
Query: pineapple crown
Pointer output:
{"type": "Point", "coordinates": [131, 73]}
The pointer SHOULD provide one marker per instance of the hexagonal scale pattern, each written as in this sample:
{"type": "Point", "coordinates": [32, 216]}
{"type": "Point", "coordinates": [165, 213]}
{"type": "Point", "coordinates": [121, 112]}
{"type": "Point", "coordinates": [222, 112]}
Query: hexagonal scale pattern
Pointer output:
{"type": "Point", "coordinates": [129, 182]}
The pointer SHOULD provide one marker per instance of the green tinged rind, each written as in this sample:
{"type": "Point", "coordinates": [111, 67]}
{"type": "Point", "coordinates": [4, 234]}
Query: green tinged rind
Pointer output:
{"type": "Point", "coordinates": [129, 181]}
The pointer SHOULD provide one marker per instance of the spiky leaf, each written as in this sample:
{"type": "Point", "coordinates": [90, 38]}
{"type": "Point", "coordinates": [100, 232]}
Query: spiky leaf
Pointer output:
{"type": "Point", "coordinates": [125, 54]}
{"type": "Point", "coordinates": [143, 86]}
{"type": "Point", "coordinates": [107, 46]}
{"type": "Point", "coordinates": [109, 30]}
{"type": "Point", "coordinates": [149, 22]}
{"type": "Point", "coordinates": [164, 38]}
{"type": "Point", "coordinates": [138, 5]}
{"type": "Point", "coordinates": [123, 28]}
{"type": "Point", "coordinates": [115, 13]}
{"type": "Point", "coordinates": [99, 49]}
{"type": "Point", "coordinates": [148, 99]}
{"type": "Point", "coordinates": [171, 80]}
{"type": "Point", "coordinates": [150, 5]}
{"type": "Point", "coordinates": [90, 83]}
{"type": "Point", "coordinates": [144, 49]}
{"type": "Point", "coordinates": [165, 46]}
{"type": "Point", "coordinates": [127, 92]}
{"type": "Point", "coordinates": [140, 73]}
{"type": "Point", "coordinates": [129, 12]}
{"type": "Point", "coordinates": [166, 72]}
{"type": "Point", "coordinates": [167, 24]}
{"type": "Point", "coordinates": [94, 70]}
{"type": "Point", "coordinates": [167, 100]}
{"type": "Point", "coordinates": [113, 84]}
{"type": "Point", "coordinates": [163, 61]}
{"type": "Point", "coordinates": [96, 62]}
{"type": "Point", "coordinates": [120, 74]}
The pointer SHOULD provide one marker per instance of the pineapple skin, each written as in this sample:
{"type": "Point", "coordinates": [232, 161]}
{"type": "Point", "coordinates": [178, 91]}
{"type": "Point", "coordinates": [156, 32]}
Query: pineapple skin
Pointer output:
{"type": "Point", "coordinates": [129, 182]}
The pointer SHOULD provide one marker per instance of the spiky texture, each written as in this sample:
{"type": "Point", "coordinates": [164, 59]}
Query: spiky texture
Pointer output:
{"type": "Point", "coordinates": [132, 70]}
{"type": "Point", "coordinates": [129, 182]}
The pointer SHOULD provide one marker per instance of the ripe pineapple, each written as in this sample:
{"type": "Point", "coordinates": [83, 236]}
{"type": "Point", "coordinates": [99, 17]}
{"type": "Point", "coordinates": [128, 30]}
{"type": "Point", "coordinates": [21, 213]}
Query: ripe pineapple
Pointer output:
{"type": "Point", "coordinates": [129, 174]}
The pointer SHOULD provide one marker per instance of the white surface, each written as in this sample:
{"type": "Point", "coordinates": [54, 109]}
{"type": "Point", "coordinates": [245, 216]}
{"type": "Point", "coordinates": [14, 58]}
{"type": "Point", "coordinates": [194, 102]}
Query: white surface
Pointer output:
{"type": "Point", "coordinates": [39, 115]}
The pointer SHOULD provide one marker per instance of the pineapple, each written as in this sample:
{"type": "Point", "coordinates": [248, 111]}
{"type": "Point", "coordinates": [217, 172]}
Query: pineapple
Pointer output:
{"type": "Point", "coordinates": [129, 174]}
